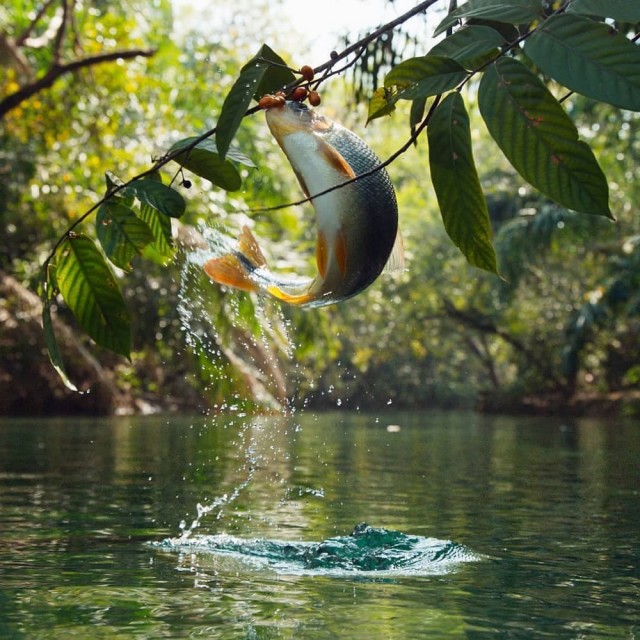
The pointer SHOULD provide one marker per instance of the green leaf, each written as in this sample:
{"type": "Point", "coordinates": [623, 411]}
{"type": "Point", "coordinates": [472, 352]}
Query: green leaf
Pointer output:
{"type": "Point", "coordinates": [509, 11]}
{"type": "Point", "coordinates": [256, 78]}
{"type": "Point", "coordinates": [159, 196]}
{"type": "Point", "coordinates": [382, 103]}
{"type": "Point", "coordinates": [468, 44]}
{"type": "Point", "coordinates": [622, 10]}
{"type": "Point", "coordinates": [112, 181]}
{"type": "Point", "coordinates": [122, 234]}
{"type": "Point", "coordinates": [424, 77]}
{"type": "Point", "coordinates": [276, 75]}
{"type": "Point", "coordinates": [455, 180]}
{"type": "Point", "coordinates": [539, 139]}
{"type": "Point", "coordinates": [160, 226]}
{"type": "Point", "coordinates": [204, 161]}
{"type": "Point", "coordinates": [91, 291]}
{"type": "Point", "coordinates": [588, 57]}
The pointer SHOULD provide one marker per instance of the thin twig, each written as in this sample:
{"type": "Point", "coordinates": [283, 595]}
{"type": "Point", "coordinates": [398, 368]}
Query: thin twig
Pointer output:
{"type": "Point", "coordinates": [20, 40]}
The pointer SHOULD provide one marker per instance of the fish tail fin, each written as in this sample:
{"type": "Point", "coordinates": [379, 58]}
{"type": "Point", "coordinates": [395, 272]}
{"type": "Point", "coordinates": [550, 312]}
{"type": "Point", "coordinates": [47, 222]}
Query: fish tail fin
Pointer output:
{"type": "Point", "coordinates": [234, 269]}
{"type": "Point", "coordinates": [228, 270]}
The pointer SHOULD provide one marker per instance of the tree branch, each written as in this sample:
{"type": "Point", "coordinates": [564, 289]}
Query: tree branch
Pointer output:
{"type": "Point", "coordinates": [57, 70]}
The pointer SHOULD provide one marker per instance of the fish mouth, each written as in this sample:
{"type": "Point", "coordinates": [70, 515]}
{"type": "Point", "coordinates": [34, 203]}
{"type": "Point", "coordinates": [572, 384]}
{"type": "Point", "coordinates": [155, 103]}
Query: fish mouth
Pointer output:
{"type": "Point", "coordinates": [293, 117]}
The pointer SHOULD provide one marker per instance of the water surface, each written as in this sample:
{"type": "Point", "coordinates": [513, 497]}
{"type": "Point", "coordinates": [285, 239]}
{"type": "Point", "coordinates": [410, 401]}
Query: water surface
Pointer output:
{"type": "Point", "coordinates": [101, 535]}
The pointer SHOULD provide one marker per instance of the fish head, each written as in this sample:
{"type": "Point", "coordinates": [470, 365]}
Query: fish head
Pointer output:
{"type": "Point", "coordinates": [294, 117]}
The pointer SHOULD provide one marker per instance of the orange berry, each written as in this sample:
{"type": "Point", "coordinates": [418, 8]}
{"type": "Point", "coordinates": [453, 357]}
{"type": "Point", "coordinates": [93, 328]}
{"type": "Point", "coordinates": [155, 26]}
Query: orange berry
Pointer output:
{"type": "Point", "coordinates": [299, 94]}
{"type": "Point", "coordinates": [314, 98]}
{"type": "Point", "coordinates": [307, 73]}
{"type": "Point", "coordinates": [267, 101]}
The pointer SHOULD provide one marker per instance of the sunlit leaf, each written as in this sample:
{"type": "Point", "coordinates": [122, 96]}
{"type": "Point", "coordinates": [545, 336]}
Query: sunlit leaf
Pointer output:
{"type": "Point", "coordinates": [509, 11]}
{"type": "Point", "coordinates": [205, 161]}
{"type": "Point", "coordinates": [160, 226]}
{"type": "Point", "coordinates": [91, 291]}
{"type": "Point", "coordinates": [159, 196]}
{"type": "Point", "coordinates": [264, 73]}
{"type": "Point", "coordinates": [122, 234]}
{"type": "Point", "coordinates": [381, 104]}
{"type": "Point", "coordinates": [539, 139]}
{"type": "Point", "coordinates": [588, 57]}
{"type": "Point", "coordinates": [456, 183]}
{"type": "Point", "coordinates": [468, 44]}
{"type": "Point", "coordinates": [622, 10]}
{"type": "Point", "coordinates": [424, 76]}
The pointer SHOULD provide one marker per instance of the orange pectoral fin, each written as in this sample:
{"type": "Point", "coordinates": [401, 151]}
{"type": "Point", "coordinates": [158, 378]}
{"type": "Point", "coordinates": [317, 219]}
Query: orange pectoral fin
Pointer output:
{"type": "Point", "coordinates": [336, 160]}
{"type": "Point", "coordinates": [229, 271]}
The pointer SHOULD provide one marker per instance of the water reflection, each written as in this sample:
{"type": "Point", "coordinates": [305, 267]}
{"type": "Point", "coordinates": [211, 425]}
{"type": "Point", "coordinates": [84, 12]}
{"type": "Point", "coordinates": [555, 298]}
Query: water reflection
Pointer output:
{"type": "Point", "coordinates": [553, 506]}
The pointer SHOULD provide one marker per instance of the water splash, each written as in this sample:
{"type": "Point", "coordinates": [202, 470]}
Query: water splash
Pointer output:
{"type": "Point", "coordinates": [366, 551]}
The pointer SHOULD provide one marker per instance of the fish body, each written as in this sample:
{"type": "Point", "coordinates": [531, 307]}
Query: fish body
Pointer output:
{"type": "Point", "coordinates": [357, 225]}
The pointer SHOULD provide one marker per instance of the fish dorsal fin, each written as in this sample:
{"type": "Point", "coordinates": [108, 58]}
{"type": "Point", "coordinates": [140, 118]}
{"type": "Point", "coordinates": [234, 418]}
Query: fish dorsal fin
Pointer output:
{"type": "Point", "coordinates": [395, 262]}
{"type": "Point", "coordinates": [250, 249]}
{"type": "Point", "coordinates": [336, 159]}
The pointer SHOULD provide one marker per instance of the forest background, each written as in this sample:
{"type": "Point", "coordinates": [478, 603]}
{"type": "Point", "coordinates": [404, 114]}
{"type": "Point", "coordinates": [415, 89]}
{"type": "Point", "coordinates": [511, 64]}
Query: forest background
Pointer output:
{"type": "Point", "coordinates": [558, 332]}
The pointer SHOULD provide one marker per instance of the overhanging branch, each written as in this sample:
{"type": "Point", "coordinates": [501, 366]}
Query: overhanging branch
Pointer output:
{"type": "Point", "coordinates": [57, 70]}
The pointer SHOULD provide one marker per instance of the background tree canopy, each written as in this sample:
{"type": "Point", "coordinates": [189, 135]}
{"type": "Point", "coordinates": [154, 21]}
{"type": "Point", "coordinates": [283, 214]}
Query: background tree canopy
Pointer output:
{"type": "Point", "coordinates": [512, 141]}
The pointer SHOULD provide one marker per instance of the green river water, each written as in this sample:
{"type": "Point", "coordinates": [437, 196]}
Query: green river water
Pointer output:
{"type": "Point", "coordinates": [479, 527]}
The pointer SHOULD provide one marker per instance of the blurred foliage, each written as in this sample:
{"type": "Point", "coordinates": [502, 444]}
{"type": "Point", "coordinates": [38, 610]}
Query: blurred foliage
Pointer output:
{"type": "Point", "coordinates": [563, 319]}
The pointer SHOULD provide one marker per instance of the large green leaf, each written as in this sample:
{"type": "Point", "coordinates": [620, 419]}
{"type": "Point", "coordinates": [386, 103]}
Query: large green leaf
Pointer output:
{"type": "Point", "coordinates": [623, 10]}
{"type": "Point", "coordinates": [539, 139]}
{"type": "Point", "coordinates": [122, 234]}
{"type": "Point", "coordinates": [455, 180]}
{"type": "Point", "coordinates": [425, 76]}
{"type": "Point", "coordinates": [159, 196]}
{"type": "Point", "coordinates": [588, 57]}
{"type": "Point", "coordinates": [509, 11]}
{"type": "Point", "coordinates": [468, 44]}
{"type": "Point", "coordinates": [159, 224]}
{"type": "Point", "coordinates": [205, 161]}
{"type": "Point", "coordinates": [91, 291]}
{"type": "Point", "coordinates": [265, 72]}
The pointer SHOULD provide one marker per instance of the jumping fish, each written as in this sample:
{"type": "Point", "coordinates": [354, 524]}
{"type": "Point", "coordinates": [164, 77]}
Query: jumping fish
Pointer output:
{"type": "Point", "coordinates": [357, 225]}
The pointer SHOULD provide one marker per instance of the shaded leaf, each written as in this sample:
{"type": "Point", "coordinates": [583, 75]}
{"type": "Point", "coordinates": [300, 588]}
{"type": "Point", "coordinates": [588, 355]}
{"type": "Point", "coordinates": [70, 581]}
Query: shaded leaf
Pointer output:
{"type": "Point", "coordinates": [588, 57]}
{"type": "Point", "coordinates": [276, 75]}
{"type": "Point", "coordinates": [159, 196]}
{"type": "Point", "coordinates": [51, 343]}
{"type": "Point", "coordinates": [424, 77]}
{"type": "Point", "coordinates": [91, 291]}
{"type": "Point", "coordinates": [456, 183]}
{"type": "Point", "coordinates": [205, 161]}
{"type": "Point", "coordinates": [416, 113]}
{"type": "Point", "coordinates": [539, 139]}
{"type": "Point", "coordinates": [622, 10]}
{"type": "Point", "coordinates": [468, 44]}
{"type": "Point", "coordinates": [122, 234]}
{"type": "Point", "coordinates": [509, 11]}
{"type": "Point", "coordinates": [382, 103]}
{"type": "Point", "coordinates": [256, 78]}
